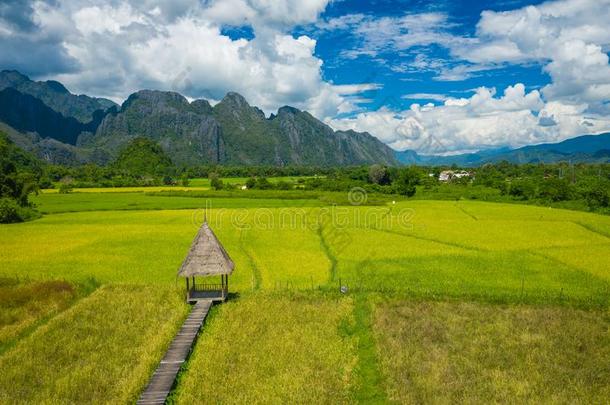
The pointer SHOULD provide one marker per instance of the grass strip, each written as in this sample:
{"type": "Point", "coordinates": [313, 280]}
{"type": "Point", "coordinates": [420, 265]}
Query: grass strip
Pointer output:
{"type": "Point", "coordinates": [369, 386]}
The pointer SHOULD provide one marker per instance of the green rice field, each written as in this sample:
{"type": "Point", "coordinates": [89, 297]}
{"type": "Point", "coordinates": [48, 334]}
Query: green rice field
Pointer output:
{"type": "Point", "coordinates": [447, 301]}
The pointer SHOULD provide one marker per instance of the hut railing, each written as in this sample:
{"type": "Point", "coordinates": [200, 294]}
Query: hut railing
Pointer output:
{"type": "Point", "coordinates": [207, 287]}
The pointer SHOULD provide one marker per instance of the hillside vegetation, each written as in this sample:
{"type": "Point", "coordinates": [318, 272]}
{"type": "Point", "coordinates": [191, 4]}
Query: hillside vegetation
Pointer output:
{"type": "Point", "coordinates": [142, 157]}
{"type": "Point", "coordinates": [19, 176]}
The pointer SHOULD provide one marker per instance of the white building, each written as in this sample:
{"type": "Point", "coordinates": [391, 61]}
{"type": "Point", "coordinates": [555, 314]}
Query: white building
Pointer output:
{"type": "Point", "coordinates": [447, 175]}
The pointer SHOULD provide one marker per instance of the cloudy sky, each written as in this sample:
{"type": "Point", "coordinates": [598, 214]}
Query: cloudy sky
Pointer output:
{"type": "Point", "coordinates": [437, 77]}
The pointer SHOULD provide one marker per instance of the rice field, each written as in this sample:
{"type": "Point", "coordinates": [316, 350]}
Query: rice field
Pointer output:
{"type": "Point", "coordinates": [79, 202]}
{"type": "Point", "coordinates": [101, 350]}
{"type": "Point", "coordinates": [287, 334]}
{"type": "Point", "coordinates": [24, 304]}
{"type": "Point", "coordinates": [142, 189]}
{"type": "Point", "coordinates": [459, 352]}
{"type": "Point", "coordinates": [268, 349]}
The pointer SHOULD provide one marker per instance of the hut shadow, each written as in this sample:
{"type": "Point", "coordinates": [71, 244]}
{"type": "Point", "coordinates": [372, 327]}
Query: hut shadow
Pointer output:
{"type": "Point", "coordinates": [233, 296]}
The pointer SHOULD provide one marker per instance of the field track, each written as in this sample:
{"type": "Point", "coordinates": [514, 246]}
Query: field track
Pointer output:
{"type": "Point", "coordinates": [163, 379]}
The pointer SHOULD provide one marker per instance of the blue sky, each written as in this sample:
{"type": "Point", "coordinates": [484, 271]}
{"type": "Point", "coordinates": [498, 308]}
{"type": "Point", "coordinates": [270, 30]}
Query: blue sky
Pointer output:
{"type": "Point", "coordinates": [385, 68]}
{"type": "Point", "coordinates": [436, 77]}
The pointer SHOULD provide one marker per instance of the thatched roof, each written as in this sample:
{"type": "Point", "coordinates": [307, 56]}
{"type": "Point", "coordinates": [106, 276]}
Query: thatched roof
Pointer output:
{"type": "Point", "coordinates": [206, 257]}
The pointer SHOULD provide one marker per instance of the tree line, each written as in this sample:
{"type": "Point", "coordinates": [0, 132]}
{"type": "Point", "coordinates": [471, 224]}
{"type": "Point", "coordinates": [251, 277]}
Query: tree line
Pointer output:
{"type": "Point", "coordinates": [143, 163]}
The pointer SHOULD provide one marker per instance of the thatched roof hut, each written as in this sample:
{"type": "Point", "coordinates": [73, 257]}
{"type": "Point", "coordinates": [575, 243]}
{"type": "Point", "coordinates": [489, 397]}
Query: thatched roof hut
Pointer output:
{"type": "Point", "coordinates": [206, 257]}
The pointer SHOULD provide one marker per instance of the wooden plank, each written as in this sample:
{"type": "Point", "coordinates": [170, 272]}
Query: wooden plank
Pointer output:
{"type": "Point", "coordinates": [162, 380]}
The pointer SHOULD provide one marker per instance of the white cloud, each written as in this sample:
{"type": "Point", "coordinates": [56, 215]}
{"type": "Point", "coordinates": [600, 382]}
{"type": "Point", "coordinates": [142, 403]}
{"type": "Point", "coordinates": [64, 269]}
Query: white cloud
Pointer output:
{"type": "Point", "coordinates": [378, 35]}
{"type": "Point", "coordinates": [343, 22]}
{"type": "Point", "coordinates": [480, 121]}
{"type": "Point", "coordinates": [414, 33]}
{"type": "Point", "coordinates": [425, 96]}
{"type": "Point", "coordinates": [264, 13]}
{"type": "Point", "coordinates": [124, 47]}
{"type": "Point", "coordinates": [105, 19]}
{"type": "Point", "coordinates": [569, 38]}
{"type": "Point", "coordinates": [349, 89]}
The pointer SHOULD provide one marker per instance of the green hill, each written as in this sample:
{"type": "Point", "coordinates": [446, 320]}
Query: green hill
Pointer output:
{"type": "Point", "coordinates": [142, 157]}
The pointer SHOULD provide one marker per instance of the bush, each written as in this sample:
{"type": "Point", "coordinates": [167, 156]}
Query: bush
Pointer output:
{"type": "Point", "coordinates": [9, 211]}
{"type": "Point", "coordinates": [379, 175]}
{"type": "Point", "coordinates": [555, 189]}
{"type": "Point", "coordinates": [597, 195]}
{"type": "Point", "coordinates": [406, 182]}
{"type": "Point", "coordinates": [283, 185]}
{"type": "Point", "coordinates": [263, 184]}
{"type": "Point", "coordinates": [251, 183]}
{"type": "Point", "coordinates": [167, 181]}
{"type": "Point", "coordinates": [45, 182]}
{"type": "Point", "coordinates": [215, 181]}
{"type": "Point", "coordinates": [522, 189]}
{"type": "Point", "coordinates": [65, 188]}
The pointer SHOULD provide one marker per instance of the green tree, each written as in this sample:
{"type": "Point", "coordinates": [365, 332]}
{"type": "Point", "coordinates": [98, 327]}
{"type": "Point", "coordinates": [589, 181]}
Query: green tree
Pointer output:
{"type": "Point", "coordinates": [555, 189]}
{"type": "Point", "coordinates": [65, 188]}
{"type": "Point", "coordinates": [406, 182]}
{"type": "Point", "coordinates": [19, 174]}
{"type": "Point", "coordinates": [215, 181]}
{"type": "Point", "coordinates": [9, 211]}
{"type": "Point", "coordinates": [488, 175]}
{"type": "Point", "coordinates": [283, 185]}
{"type": "Point", "coordinates": [429, 182]}
{"type": "Point", "coordinates": [263, 184]}
{"type": "Point", "coordinates": [251, 183]}
{"type": "Point", "coordinates": [378, 174]}
{"type": "Point", "coordinates": [597, 194]}
{"type": "Point", "coordinates": [522, 189]}
{"type": "Point", "coordinates": [184, 180]}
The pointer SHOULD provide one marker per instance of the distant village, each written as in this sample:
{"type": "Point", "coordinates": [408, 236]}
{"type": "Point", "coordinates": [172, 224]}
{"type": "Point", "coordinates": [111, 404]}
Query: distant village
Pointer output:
{"type": "Point", "coordinates": [448, 175]}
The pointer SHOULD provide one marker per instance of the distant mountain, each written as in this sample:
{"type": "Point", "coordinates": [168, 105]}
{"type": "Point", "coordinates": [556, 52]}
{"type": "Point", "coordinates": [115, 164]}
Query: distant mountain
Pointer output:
{"type": "Point", "coordinates": [306, 140]}
{"type": "Point", "coordinates": [53, 151]}
{"type": "Point", "coordinates": [56, 96]}
{"type": "Point", "coordinates": [27, 113]}
{"type": "Point", "coordinates": [187, 132]}
{"type": "Point", "coordinates": [44, 117]}
{"type": "Point", "coordinates": [233, 132]}
{"type": "Point", "coordinates": [585, 148]}
{"type": "Point", "coordinates": [588, 144]}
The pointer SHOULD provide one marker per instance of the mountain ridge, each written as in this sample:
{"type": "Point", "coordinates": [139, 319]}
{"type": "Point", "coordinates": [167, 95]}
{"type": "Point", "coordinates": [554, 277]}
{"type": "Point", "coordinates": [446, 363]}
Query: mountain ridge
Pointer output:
{"type": "Point", "coordinates": [587, 148]}
{"type": "Point", "coordinates": [65, 128]}
{"type": "Point", "coordinates": [230, 132]}
{"type": "Point", "coordinates": [56, 96]}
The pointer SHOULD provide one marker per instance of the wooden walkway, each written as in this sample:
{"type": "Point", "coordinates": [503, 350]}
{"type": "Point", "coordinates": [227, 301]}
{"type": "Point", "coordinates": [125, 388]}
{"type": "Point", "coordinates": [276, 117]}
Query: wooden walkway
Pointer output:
{"type": "Point", "coordinates": [163, 379]}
